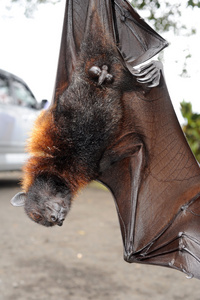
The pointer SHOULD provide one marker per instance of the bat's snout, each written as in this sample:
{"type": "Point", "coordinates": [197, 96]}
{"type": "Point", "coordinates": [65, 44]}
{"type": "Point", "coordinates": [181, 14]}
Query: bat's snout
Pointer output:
{"type": "Point", "coordinates": [60, 223]}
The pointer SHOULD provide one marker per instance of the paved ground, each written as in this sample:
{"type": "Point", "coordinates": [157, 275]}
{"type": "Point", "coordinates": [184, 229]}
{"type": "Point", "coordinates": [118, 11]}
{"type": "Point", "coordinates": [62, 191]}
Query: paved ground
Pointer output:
{"type": "Point", "coordinates": [81, 260]}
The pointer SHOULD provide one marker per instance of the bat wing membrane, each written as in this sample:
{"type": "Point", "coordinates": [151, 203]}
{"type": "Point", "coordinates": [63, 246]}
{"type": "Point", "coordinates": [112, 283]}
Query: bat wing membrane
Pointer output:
{"type": "Point", "coordinates": [155, 186]}
{"type": "Point", "coordinates": [136, 40]}
{"type": "Point", "coordinates": [157, 190]}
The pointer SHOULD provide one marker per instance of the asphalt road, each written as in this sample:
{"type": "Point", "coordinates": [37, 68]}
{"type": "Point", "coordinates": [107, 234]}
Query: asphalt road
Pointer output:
{"type": "Point", "coordinates": [81, 260]}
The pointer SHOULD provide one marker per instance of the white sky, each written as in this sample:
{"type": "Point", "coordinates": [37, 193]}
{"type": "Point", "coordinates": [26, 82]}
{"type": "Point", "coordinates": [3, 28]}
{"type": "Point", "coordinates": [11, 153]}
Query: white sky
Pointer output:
{"type": "Point", "coordinates": [29, 48]}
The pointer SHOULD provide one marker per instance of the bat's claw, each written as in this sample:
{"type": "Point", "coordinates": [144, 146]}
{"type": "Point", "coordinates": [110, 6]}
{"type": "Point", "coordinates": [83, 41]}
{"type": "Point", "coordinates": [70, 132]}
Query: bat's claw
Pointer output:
{"type": "Point", "coordinates": [148, 74]}
{"type": "Point", "coordinates": [100, 74]}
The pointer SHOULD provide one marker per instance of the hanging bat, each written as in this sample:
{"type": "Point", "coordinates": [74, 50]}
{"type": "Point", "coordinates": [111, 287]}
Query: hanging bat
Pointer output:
{"type": "Point", "coordinates": [114, 122]}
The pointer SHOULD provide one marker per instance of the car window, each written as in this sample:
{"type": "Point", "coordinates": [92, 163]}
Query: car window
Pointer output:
{"type": "Point", "coordinates": [4, 91]}
{"type": "Point", "coordinates": [23, 96]}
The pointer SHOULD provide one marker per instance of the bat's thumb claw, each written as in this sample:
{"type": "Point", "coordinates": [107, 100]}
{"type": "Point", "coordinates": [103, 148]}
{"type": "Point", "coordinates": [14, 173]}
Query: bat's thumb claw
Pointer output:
{"type": "Point", "coordinates": [136, 70]}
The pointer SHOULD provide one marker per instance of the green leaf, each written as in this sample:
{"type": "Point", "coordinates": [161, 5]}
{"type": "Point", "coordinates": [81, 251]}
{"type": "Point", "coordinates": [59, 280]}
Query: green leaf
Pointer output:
{"type": "Point", "coordinates": [191, 128]}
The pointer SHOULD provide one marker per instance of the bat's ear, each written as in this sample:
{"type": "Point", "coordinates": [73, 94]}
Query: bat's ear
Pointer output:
{"type": "Point", "coordinates": [19, 199]}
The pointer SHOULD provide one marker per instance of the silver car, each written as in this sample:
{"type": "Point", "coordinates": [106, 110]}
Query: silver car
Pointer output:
{"type": "Point", "coordinates": [18, 110]}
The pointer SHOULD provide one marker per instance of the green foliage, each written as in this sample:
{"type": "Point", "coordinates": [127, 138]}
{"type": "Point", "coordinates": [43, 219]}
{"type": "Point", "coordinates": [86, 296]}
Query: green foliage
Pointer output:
{"type": "Point", "coordinates": [191, 128]}
{"type": "Point", "coordinates": [193, 3]}
{"type": "Point", "coordinates": [165, 15]}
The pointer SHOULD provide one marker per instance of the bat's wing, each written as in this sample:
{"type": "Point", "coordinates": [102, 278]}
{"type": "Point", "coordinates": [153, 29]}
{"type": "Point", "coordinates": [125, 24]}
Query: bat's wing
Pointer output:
{"type": "Point", "coordinates": [136, 41]}
{"type": "Point", "coordinates": [149, 168]}
{"type": "Point", "coordinates": [156, 186]}
{"type": "Point", "coordinates": [72, 37]}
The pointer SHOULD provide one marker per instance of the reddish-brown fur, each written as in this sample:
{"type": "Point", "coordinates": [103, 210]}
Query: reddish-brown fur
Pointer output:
{"type": "Point", "coordinates": [42, 147]}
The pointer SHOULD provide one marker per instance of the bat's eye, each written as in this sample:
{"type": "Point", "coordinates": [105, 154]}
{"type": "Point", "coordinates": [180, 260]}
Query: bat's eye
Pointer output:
{"type": "Point", "coordinates": [53, 218]}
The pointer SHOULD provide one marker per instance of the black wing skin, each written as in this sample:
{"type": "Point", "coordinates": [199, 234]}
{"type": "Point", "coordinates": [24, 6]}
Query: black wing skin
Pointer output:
{"type": "Point", "coordinates": [135, 40]}
{"type": "Point", "coordinates": [156, 189]}
{"type": "Point", "coordinates": [148, 166]}
{"type": "Point", "coordinates": [72, 37]}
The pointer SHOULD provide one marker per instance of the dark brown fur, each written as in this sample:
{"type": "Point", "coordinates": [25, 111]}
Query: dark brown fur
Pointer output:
{"type": "Point", "coordinates": [69, 139]}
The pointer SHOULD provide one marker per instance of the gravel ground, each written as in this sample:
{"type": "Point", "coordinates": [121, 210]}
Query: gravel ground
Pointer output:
{"type": "Point", "coordinates": [81, 260]}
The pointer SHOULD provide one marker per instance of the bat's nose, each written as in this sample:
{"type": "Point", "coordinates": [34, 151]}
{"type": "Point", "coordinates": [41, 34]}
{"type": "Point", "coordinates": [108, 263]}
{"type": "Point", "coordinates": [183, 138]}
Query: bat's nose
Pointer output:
{"type": "Point", "coordinates": [60, 223]}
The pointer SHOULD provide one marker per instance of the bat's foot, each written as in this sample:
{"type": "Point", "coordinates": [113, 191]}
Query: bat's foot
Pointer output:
{"type": "Point", "coordinates": [148, 74]}
{"type": "Point", "coordinates": [101, 74]}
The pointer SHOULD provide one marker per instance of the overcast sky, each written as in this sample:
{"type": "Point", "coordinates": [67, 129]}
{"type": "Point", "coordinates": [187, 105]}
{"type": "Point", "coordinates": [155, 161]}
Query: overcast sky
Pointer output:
{"type": "Point", "coordinates": [30, 46]}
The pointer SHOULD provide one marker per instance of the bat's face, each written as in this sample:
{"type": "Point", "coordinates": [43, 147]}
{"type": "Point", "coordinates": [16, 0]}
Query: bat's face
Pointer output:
{"type": "Point", "coordinates": [49, 211]}
{"type": "Point", "coordinates": [47, 202]}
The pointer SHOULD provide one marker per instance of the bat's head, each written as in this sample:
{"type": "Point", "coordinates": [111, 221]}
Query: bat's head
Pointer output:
{"type": "Point", "coordinates": [47, 201]}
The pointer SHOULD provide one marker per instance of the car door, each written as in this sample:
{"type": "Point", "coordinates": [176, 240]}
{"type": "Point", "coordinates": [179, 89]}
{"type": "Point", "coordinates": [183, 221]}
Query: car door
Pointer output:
{"type": "Point", "coordinates": [17, 114]}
